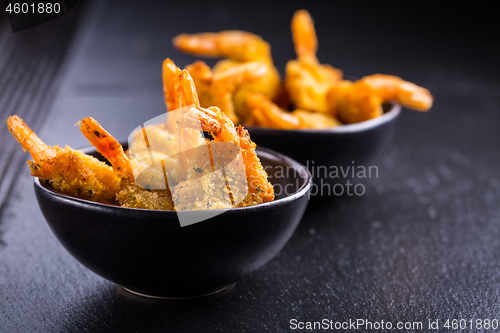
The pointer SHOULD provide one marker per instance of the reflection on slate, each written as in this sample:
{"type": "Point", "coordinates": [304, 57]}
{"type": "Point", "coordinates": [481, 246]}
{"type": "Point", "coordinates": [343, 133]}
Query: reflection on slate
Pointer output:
{"type": "Point", "coordinates": [29, 65]}
{"type": "Point", "coordinates": [422, 243]}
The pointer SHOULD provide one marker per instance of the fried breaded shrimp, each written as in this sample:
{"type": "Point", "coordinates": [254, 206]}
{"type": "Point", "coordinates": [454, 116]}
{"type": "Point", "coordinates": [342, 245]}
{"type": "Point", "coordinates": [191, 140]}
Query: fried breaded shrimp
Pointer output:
{"type": "Point", "coordinates": [202, 77]}
{"type": "Point", "coordinates": [308, 84]}
{"type": "Point", "coordinates": [171, 75]}
{"type": "Point", "coordinates": [239, 47]}
{"type": "Point", "coordinates": [306, 80]}
{"type": "Point", "coordinates": [222, 129]}
{"type": "Point", "coordinates": [315, 120]}
{"type": "Point", "coordinates": [362, 100]}
{"type": "Point", "coordinates": [217, 88]}
{"type": "Point", "coordinates": [171, 81]}
{"type": "Point", "coordinates": [354, 102]}
{"type": "Point", "coordinates": [304, 36]}
{"type": "Point", "coordinates": [131, 195]}
{"type": "Point", "coordinates": [267, 114]}
{"type": "Point", "coordinates": [67, 170]}
{"type": "Point", "coordinates": [226, 82]}
{"type": "Point", "coordinates": [268, 84]}
{"type": "Point", "coordinates": [393, 88]}
{"type": "Point", "coordinates": [108, 147]}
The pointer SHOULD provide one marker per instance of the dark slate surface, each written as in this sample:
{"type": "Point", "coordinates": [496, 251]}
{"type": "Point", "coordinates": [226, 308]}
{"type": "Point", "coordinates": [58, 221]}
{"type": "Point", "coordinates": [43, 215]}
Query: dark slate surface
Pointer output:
{"type": "Point", "coordinates": [30, 64]}
{"type": "Point", "coordinates": [421, 244]}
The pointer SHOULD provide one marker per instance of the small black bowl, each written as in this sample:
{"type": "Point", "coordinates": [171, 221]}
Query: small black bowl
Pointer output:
{"type": "Point", "coordinates": [149, 253]}
{"type": "Point", "coordinates": [353, 145]}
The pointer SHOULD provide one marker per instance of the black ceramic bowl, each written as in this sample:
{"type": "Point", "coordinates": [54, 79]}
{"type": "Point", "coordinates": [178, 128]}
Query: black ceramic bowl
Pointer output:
{"type": "Point", "coordinates": [149, 253]}
{"type": "Point", "coordinates": [343, 146]}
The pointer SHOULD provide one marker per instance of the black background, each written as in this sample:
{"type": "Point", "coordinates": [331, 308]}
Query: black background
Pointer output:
{"type": "Point", "coordinates": [421, 244]}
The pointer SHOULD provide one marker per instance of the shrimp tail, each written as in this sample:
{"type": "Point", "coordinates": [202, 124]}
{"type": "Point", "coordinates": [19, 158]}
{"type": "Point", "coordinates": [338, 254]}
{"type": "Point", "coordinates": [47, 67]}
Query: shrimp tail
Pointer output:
{"type": "Point", "coordinates": [304, 36]}
{"type": "Point", "coordinates": [171, 81]}
{"type": "Point", "coordinates": [29, 140]}
{"type": "Point", "coordinates": [107, 145]}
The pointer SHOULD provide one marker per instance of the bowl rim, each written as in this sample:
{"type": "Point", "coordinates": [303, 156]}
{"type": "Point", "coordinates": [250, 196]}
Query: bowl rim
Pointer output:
{"type": "Point", "coordinates": [386, 117]}
{"type": "Point", "coordinates": [303, 190]}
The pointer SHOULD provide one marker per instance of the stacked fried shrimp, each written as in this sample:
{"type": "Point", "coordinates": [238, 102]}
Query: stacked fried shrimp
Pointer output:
{"type": "Point", "coordinates": [83, 176]}
{"type": "Point", "coordinates": [248, 88]}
